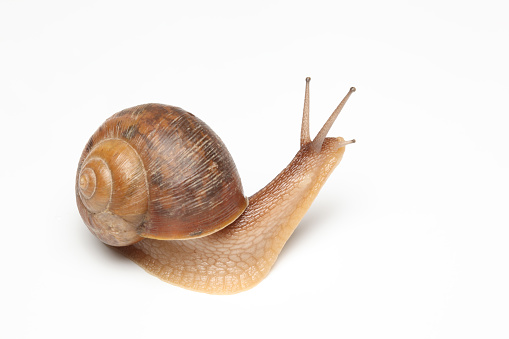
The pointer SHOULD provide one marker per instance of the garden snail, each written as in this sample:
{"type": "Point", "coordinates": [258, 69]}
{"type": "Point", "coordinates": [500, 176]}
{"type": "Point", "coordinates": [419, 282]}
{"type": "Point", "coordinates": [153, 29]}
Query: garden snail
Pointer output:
{"type": "Point", "coordinates": [158, 184]}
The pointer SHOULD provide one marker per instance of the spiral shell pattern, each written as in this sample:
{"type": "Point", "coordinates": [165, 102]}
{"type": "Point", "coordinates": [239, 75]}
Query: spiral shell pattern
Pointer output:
{"type": "Point", "coordinates": [156, 171]}
{"type": "Point", "coordinates": [112, 186]}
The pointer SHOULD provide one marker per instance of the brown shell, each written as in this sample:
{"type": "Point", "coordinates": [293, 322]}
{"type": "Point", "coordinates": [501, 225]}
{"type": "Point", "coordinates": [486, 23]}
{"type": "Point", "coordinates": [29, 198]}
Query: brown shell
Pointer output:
{"type": "Point", "coordinates": [171, 178]}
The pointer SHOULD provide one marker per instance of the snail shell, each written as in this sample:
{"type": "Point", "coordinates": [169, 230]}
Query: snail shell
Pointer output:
{"type": "Point", "coordinates": [156, 171]}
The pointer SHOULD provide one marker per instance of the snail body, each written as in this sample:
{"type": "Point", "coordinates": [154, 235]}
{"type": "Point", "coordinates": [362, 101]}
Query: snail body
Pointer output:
{"type": "Point", "coordinates": [219, 242]}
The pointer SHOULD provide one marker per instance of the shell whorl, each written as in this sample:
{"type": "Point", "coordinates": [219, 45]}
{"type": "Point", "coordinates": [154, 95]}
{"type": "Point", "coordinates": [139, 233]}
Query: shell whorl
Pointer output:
{"type": "Point", "coordinates": [112, 185]}
{"type": "Point", "coordinates": [156, 171]}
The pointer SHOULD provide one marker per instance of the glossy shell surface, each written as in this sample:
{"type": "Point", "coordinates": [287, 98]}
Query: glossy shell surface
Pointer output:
{"type": "Point", "coordinates": [156, 171]}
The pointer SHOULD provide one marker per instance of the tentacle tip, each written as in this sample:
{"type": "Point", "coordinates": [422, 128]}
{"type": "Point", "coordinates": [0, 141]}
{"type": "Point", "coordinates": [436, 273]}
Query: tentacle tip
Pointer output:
{"type": "Point", "coordinates": [308, 79]}
{"type": "Point", "coordinates": [347, 142]}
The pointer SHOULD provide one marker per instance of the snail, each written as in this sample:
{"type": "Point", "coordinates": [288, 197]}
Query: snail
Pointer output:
{"type": "Point", "coordinates": [157, 184]}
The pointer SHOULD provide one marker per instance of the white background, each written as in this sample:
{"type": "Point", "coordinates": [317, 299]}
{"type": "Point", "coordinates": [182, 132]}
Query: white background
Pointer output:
{"type": "Point", "coordinates": [408, 238]}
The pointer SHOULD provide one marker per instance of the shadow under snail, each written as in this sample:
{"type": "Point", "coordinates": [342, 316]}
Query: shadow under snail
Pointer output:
{"type": "Point", "coordinates": [158, 184]}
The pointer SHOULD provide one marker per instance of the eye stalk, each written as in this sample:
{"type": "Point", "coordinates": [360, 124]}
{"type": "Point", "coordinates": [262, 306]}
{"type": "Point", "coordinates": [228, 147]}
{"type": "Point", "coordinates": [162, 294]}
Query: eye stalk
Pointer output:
{"type": "Point", "coordinates": [320, 137]}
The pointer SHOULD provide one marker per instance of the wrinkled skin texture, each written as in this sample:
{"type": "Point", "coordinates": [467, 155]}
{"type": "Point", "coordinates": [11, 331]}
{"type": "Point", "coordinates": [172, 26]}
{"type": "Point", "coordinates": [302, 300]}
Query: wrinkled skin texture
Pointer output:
{"type": "Point", "coordinates": [239, 256]}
